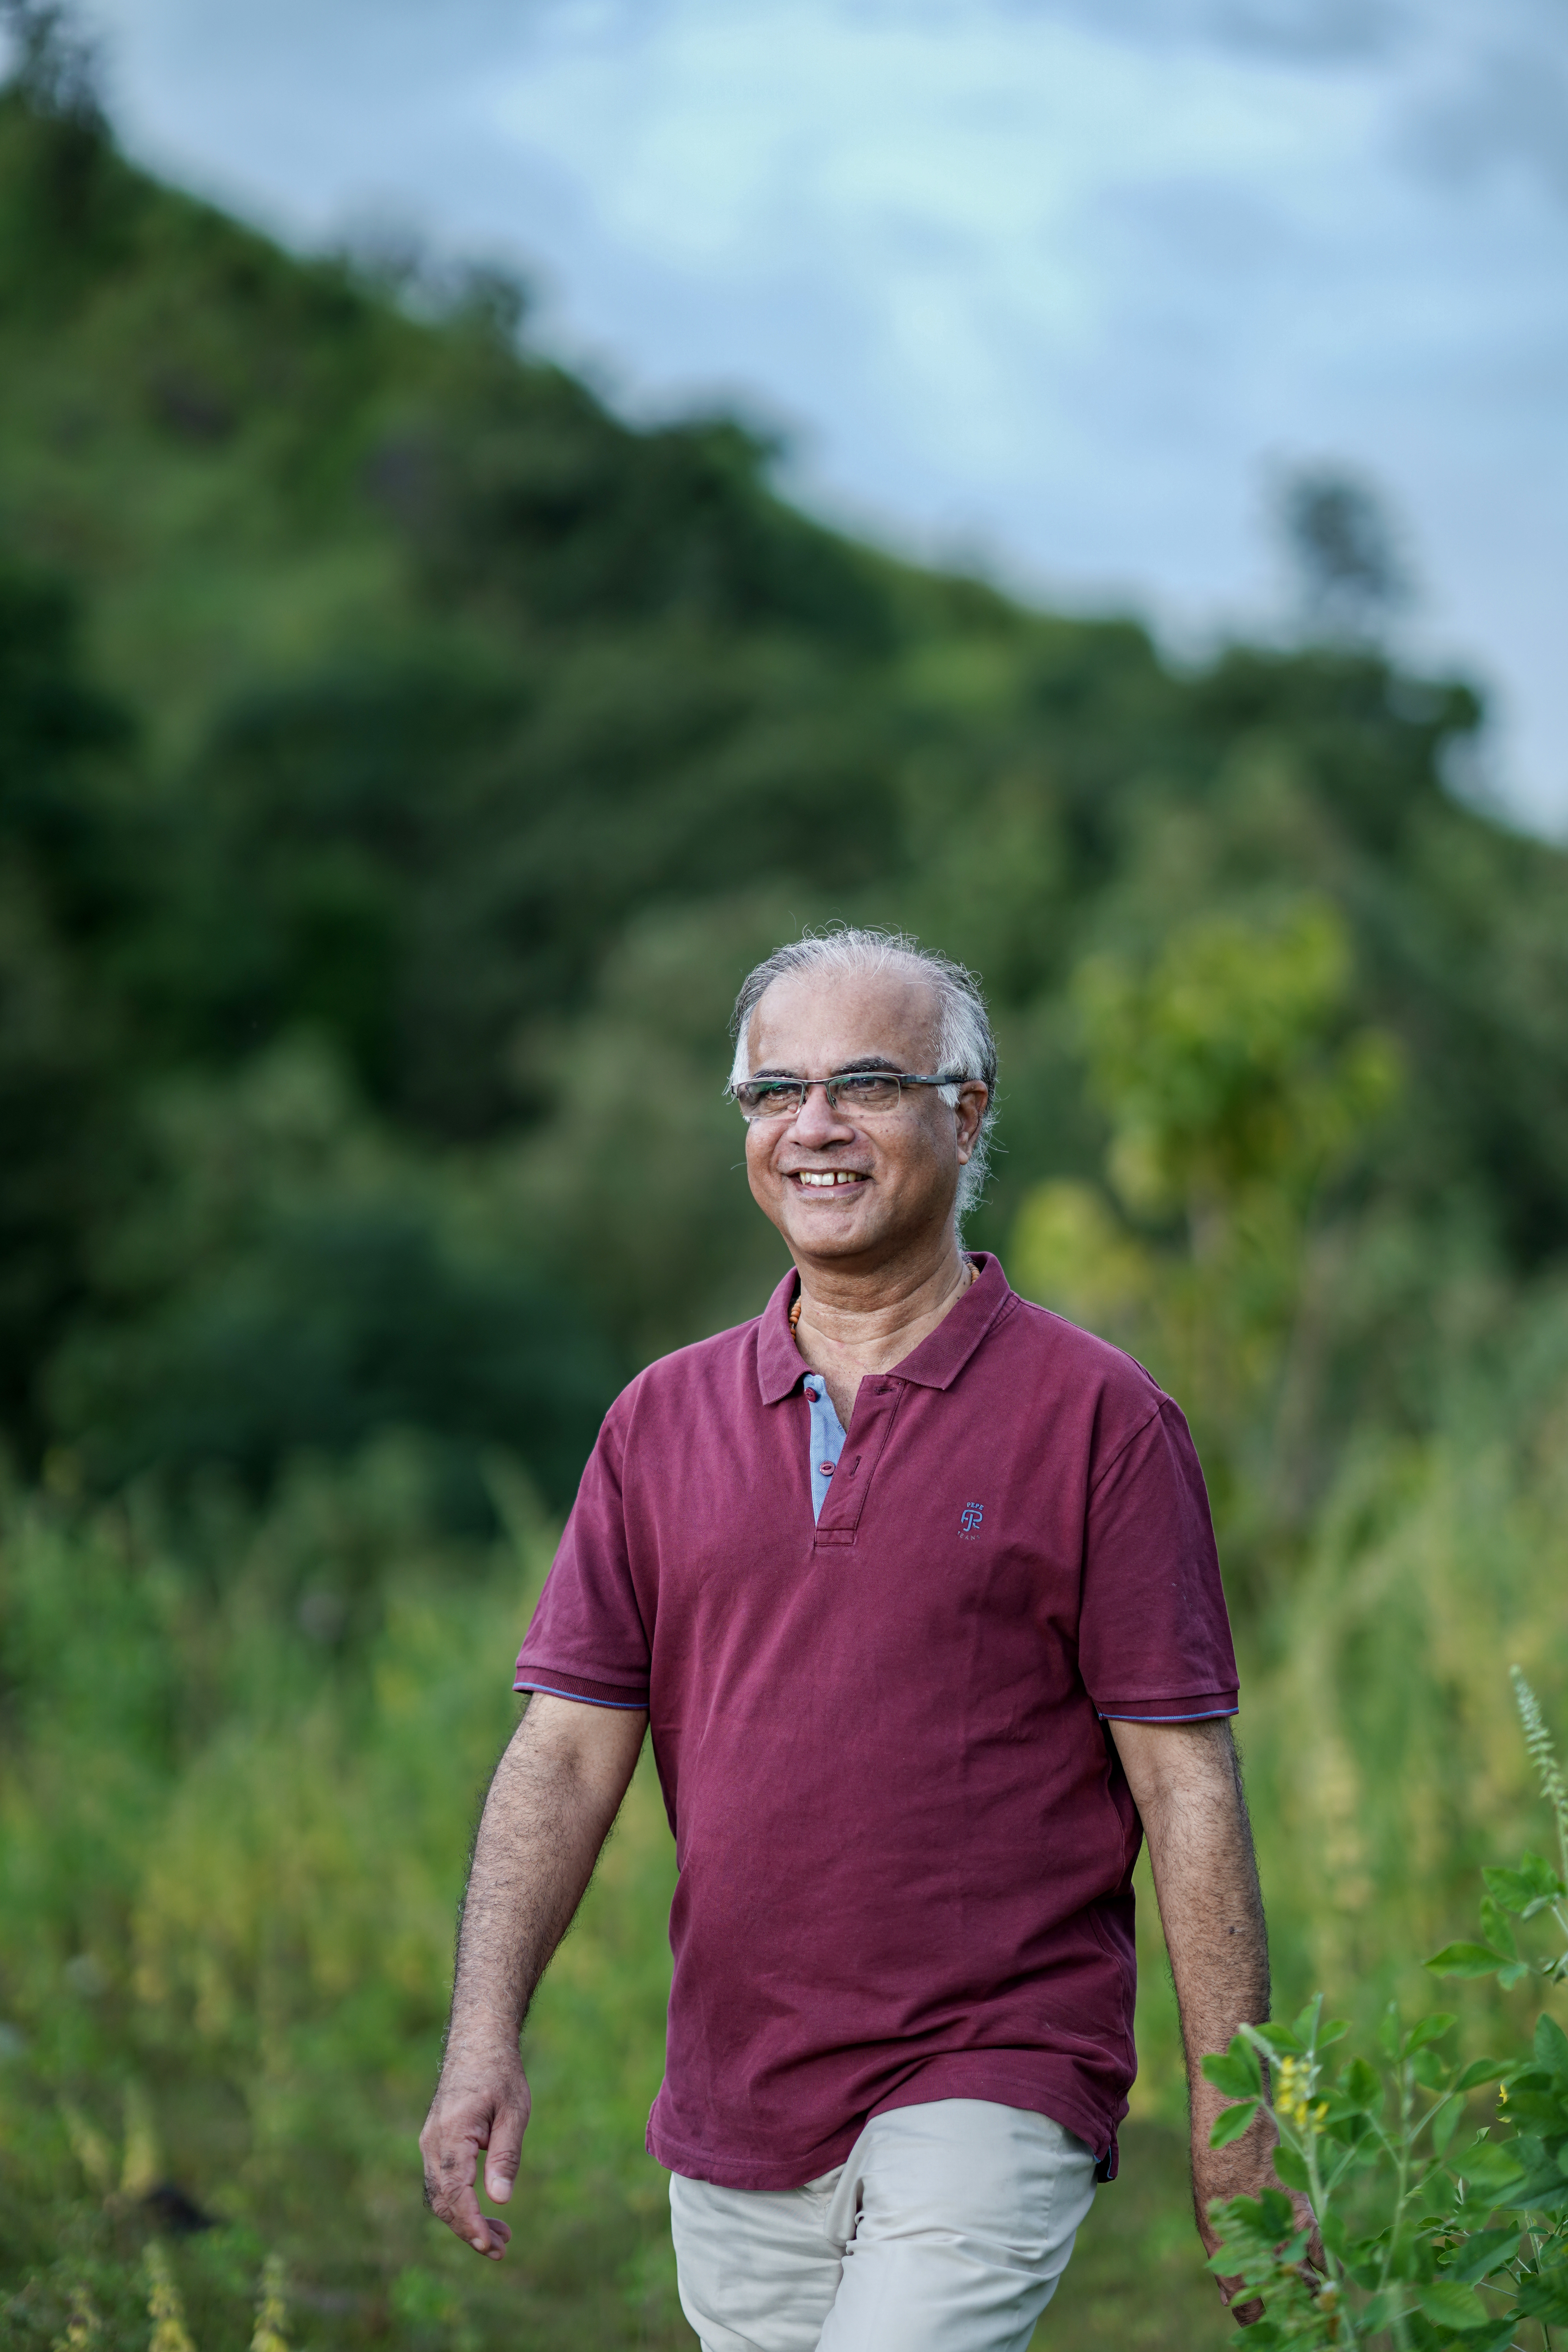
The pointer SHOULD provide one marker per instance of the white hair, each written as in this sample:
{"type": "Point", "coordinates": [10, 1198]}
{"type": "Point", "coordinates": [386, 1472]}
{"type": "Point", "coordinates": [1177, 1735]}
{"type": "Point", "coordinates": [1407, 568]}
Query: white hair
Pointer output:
{"type": "Point", "coordinates": [964, 1046]}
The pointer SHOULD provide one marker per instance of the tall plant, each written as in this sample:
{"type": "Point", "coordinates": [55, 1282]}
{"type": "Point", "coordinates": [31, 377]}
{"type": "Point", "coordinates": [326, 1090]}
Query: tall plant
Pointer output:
{"type": "Point", "coordinates": [1433, 2242]}
{"type": "Point", "coordinates": [1237, 1089]}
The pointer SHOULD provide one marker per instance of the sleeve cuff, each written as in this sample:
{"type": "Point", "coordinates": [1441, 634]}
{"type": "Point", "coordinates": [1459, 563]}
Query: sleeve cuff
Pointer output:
{"type": "Point", "coordinates": [1197, 1706]}
{"type": "Point", "coordinates": [553, 1684]}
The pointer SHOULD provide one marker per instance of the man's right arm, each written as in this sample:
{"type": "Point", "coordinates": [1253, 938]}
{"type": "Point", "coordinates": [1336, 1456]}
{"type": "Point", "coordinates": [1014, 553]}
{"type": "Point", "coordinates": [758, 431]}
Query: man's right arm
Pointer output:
{"type": "Point", "coordinates": [555, 1795]}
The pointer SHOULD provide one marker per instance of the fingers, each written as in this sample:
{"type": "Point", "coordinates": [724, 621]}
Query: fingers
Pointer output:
{"type": "Point", "coordinates": [505, 2151]}
{"type": "Point", "coordinates": [460, 2212]}
{"type": "Point", "coordinates": [455, 2131]}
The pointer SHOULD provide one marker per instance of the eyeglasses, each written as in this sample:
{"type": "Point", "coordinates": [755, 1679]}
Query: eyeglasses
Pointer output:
{"type": "Point", "coordinates": [852, 1093]}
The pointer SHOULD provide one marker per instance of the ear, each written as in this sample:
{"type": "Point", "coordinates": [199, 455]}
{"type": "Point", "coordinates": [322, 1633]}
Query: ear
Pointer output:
{"type": "Point", "coordinates": [973, 1097]}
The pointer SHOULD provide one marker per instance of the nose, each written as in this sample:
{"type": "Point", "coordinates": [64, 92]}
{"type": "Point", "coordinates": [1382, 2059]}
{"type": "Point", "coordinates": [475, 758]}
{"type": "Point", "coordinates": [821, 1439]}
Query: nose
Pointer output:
{"type": "Point", "coordinates": [816, 1122]}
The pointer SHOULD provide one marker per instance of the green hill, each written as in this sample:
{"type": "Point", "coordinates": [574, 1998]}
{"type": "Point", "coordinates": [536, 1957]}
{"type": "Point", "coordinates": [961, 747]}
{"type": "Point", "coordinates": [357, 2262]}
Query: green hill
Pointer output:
{"type": "Point", "coordinates": [378, 708]}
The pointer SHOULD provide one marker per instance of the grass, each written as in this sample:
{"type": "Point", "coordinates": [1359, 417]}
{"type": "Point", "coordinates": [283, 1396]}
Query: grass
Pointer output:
{"type": "Point", "coordinates": [240, 1774]}
{"type": "Point", "coordinates": [1136, 2278]}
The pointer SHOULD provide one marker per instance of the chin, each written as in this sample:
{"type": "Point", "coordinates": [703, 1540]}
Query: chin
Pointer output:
{"type": "Point", "coordinates": [846, 1239]}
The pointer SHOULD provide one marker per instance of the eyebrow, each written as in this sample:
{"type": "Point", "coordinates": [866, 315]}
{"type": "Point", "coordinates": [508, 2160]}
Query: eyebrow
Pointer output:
{"type": "Point", "coordinates": [845, 1070]}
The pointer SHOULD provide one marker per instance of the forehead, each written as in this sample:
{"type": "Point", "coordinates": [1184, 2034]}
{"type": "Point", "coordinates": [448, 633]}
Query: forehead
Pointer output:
{"type": "Point", "coordinates": [826, 1021]}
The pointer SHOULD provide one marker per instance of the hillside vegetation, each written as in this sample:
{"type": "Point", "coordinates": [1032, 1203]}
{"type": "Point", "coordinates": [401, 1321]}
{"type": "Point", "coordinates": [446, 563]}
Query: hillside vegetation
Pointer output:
{"type": "Point", "coordinates": [401, 762]}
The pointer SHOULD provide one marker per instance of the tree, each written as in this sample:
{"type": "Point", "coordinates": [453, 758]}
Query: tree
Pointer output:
{"type": "Point", "coordinates": [1351, 577]}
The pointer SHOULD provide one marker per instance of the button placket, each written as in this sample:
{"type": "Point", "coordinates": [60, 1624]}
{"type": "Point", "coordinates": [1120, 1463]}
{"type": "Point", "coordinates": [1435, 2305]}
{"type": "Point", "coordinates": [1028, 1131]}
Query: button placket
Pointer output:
{"type": "Point", "coordinates": [871, 1424]}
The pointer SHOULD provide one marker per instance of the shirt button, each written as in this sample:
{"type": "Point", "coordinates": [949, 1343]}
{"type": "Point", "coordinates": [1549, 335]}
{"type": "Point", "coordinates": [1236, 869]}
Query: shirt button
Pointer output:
{"type": "Point", "coordinates": [826, 1468]}
{"type": "Point", "coordinates": [811, 1396]}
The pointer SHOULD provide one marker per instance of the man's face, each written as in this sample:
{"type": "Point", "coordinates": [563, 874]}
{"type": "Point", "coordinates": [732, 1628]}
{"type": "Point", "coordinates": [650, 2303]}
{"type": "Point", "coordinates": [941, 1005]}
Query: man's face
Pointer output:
{"type": "Point", "coordinates": [894, 1174]}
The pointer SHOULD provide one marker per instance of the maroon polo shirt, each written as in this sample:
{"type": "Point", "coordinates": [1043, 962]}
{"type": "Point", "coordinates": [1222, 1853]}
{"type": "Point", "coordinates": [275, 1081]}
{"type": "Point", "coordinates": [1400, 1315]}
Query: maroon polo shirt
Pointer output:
{"type": "Point", "coordinates": [905, 1841]}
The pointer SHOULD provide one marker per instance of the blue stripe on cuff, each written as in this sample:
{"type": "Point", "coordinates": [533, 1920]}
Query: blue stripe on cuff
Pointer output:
{"type": "Point", "coordinates": [1209, 1714]}
{"type": "Point", "coordinates": [621, 1705]}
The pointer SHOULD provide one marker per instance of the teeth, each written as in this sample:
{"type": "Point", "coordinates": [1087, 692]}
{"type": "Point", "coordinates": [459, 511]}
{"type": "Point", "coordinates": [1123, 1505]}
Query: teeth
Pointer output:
{"type": "Point", "coordinates": [826, 1176]}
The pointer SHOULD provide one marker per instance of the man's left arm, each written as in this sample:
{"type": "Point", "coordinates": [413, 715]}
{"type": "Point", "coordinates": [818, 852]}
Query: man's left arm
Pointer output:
{"type": "Point", "coordinates": [1186, 1784]}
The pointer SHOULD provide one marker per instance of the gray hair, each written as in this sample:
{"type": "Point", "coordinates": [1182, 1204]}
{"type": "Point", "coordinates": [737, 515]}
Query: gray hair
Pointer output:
{"type": "Point", "coordinates": [964, 1046]}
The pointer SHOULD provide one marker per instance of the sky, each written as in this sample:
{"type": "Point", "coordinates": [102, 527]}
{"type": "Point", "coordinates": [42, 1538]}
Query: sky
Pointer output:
{"type": "Point", "coordinates": [1062, 289]}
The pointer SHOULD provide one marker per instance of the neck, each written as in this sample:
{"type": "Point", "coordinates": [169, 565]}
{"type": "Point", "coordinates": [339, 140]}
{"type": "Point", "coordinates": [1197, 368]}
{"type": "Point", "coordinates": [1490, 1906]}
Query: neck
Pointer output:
{"type": "Point", "coordinates": [870, 1322]}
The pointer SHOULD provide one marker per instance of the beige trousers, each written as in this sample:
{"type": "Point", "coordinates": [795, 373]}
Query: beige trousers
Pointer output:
{"type": "Point", "coordinates": [945, 2230]}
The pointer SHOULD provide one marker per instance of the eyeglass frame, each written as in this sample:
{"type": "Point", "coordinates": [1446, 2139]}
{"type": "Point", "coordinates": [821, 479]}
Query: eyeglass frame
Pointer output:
{"type": "Point", "coordinates": [902, 1077]}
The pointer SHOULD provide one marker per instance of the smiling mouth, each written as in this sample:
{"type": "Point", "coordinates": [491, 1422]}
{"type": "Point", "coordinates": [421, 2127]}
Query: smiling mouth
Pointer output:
{"type": "Point", "coordinates": [825, 1180]}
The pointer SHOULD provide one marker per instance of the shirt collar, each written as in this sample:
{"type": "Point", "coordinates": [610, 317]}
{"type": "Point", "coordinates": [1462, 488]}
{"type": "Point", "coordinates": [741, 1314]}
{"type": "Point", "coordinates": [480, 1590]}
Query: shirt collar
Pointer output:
{"type": "Point", "coordinates": [934, 1364]}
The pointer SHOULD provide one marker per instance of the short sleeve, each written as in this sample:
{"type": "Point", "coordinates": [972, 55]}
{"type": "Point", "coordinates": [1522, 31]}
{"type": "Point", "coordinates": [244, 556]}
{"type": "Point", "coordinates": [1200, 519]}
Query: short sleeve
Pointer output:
{"type": "Point", "coordinates": [1153, 1634]}
{"type": "Point", "coordinates": [589, 1640]}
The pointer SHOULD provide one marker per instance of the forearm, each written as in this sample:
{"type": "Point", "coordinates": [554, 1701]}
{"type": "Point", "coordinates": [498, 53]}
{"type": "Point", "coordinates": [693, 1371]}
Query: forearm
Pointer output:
{"type": "Point", "coordinates": [1206, 1876]}
{"type": "Point", "coordinates": [555, 1794]}
{"type": "Point", "coordinates": [1188, 1787]}
{"type": "Point", "coordinates": [550, 1808]}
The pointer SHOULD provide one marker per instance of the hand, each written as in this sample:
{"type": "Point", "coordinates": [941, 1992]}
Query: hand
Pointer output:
{"type": "Point", "coordinates": [1245, 2169]}
{"type": "Point", "coordinates": [477, 2105]}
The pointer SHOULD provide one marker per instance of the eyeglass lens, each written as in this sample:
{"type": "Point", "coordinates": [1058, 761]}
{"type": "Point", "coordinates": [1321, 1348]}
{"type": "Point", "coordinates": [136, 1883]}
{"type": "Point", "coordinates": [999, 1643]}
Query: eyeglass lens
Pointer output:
{"type": "Point", "coordinates": [858, 1090]}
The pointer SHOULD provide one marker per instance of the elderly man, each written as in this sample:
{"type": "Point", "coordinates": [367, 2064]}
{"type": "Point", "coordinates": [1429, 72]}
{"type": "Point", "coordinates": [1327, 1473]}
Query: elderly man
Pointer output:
{"type": "Point", "coordinates": [916, 1587]}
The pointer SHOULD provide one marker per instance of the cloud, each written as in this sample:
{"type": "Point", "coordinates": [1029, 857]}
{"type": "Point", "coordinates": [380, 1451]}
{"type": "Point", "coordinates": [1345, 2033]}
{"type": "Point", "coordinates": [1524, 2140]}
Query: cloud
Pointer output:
{"type": "Point", "coordinates": [1498, 110]}
{"type": "Point", "coordinates": [1319, 32]}
{"type": "Point", "coordinates": [1061, 276]}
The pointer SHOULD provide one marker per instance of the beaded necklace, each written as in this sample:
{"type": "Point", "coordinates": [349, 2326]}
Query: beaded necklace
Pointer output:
{"type": "Point", "coordinates": [800, 1300]}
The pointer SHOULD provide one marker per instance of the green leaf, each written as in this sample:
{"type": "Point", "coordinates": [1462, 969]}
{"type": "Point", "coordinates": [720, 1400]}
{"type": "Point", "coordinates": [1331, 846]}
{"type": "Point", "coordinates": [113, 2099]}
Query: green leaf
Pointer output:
{"type": "Point", "coordinates": [1527, 1890]}
{"type": "Point", "coordinates": [1455, 2306]}
{"type": "Point", "coordinates": [1231, 2122]}
{"type": "Point", "coordinates": [1429, 2071]}
{"type": "Point", "coordinates": [1490, 2170]}
{"type": "Point", "coordinates": [1276, 2213]}
{"type": "Point", "coordinates": [1236, 2070]}
{"type": "Point", "coordinates": [1478, 2070]}
{"type": "Point", "coordinates": [1408, 2258]}
{"type": "Point", "coordinates": [1501, 2336]}
{"type": "Point", "coordinates": [1251, 2231]}
{"type": "Point", "coordinates": [1291, 2167]}
{"type": "Point", "coordinates": [1445, 2121]}
{"type": "Point", "coordinates": [1303, 2024]}
{"type": "Point", "coordinates": [1482, 2254]}
{"type": "Point", "coordinates": [1361, 2086]}
{"type": "Point", "coordinates": [1430, 2028]}
{"type": "Point", "coordinates": [1551, 2048]}
{"type": "Point", "coordinates": [1545, 2296]}
{"type": "Point", "coordinates": [1464, 1960]}
{"type": "Point", "coordinates": [1383, 2308]}
{"type": "Point", "coordinates": [1496, 1930]}
{"type": "Point", "coordinates": [1543, 2192]}
{"type": "Point", "coordinates": [1280, 2040]}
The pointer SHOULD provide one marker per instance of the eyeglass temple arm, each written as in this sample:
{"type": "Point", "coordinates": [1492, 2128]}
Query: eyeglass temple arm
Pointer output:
{"type": "Point", "coordinates": [904, 1077]}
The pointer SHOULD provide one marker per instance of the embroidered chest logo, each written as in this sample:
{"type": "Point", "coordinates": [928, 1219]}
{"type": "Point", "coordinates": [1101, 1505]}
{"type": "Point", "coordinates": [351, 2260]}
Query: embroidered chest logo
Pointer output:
{"type": "Point", "coordinates": [969, 1520]}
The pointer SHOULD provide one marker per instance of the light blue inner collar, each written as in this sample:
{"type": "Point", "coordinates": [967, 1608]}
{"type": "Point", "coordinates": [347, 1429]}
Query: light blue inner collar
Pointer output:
{"type": "Point", "coordinates": [826, 1439]}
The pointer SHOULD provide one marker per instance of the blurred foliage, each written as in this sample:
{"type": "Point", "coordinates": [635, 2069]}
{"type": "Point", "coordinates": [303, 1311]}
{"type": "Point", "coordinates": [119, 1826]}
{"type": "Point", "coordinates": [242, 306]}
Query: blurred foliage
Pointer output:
{"type": "Point", "coordinates": [402, 759]}
{"type": "Point", "coordinates": [1234, 1100]}
{"type": "Point", "coordinates": [232, 1830]}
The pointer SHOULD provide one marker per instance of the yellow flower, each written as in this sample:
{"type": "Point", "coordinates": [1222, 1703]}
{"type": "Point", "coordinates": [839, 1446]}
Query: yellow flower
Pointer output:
{"type": "Point", "coordinates": [272, 2311]}
{"type": "Point", "coordinates": [1294, 2093]}
{"type": "Point", "coordinates": [163, 2305]}
{"type": "Point", "coordinates": [86, 2328]}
